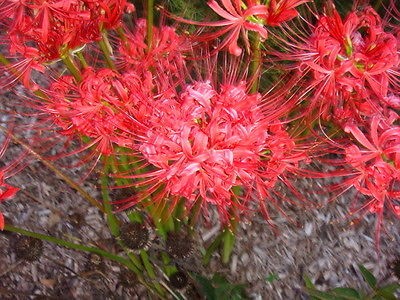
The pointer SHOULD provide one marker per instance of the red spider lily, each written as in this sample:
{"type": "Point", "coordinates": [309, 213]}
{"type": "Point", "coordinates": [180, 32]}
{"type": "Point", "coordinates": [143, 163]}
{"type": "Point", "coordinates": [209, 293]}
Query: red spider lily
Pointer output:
{"type": "Point", "coordinates": [203, 142]}
{"type": "Point", "coordinates": [99, 107]}
{"type": "Point", "coordinates": [240, 17]}
{"type": "Point", "coordinates": [354, 63]}
{"type": "Point", "coordinates": [39, 32]}
{"type": "Point", "coordinates": [375, 163]}
{"type": "Point", "coordinates": [164, 57]}
{"type": "Point", "coordinates": [280, 11]}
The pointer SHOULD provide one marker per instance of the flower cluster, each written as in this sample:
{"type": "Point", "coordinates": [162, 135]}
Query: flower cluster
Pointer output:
{"type": "Point", "coordinates": [205, 141]}
{"type": "Point", "coordinates": [354, 64]}
{"type": "Point", "coordinates": [217, 133]}
{"type": "Point", "coordinates": [99, 107]}
{"type": "Point", "coordinates": [354, 88]}
{"type": "Point", "coordinates": [38, 32]}
{"type": "Point", "coordinates": [242, 17]}
{"type": "Point", "coordinates": [375, 160]}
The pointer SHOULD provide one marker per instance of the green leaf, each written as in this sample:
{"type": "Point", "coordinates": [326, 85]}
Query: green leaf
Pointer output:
{"type": "Point", "coordinates": [212, 248]}
{"type": "Point", "coordinates": [387, 291]}
{"type": "Point", "coordinates": [368, 276]}
{"type": "Point", "coordinates": [134, 216]}
{"type": "Point", "coordinates": [308, 282]}
{"type": "Point", "coordinates": [219, 288]}
{"type": "Point", "coordinates": [227, 246]}
{"type": "Point", "coordinates": [346, 293]}
{"type": "Point", "coordinates": [206, 287]}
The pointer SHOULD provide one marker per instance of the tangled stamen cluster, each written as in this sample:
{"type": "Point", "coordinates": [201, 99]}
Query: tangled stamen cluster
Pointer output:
{"type": "Point", "coordinates": [99, 107]}
{"type": "Point", "coordinates": [37, 32]}
{"type": "Point", "coordinates": [206, 141]}
{"type": "Point", "coordinates": [376, 165]}
{"type": "Point", "coordinates": [353, 64]}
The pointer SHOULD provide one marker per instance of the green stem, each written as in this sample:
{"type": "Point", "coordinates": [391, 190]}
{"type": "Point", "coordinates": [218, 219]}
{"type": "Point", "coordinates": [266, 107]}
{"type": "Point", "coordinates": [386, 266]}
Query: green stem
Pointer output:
{"type": "Point", "coordinates": [52, 167]}
{"type": "Point", "coordinates": [150, 22]}
{"type": "Point", "coordinates": [194, 213]}
{"type": "Point", "coordinates": [147, 265]}
{"type": "Point", "coordinates": [106, 49]}
{"type": "Point", "coordinates": [111, 218]}
{"type": "Point", "coordinates": [82, 59]}
{"type": "Point", "coordinates": [73, 246]}
{"type": "Point", "coordinates": [212, 248]}
{"type": "Point", "coordinates": [377, 5]}
{"type": "Point", "coordinates": [228, 244]}
{"type": "Point", "coordinates": [3, 60]}
{"type": "Point", "coordinates": [150, 271]}
{"type": "Point", "coordinates": [121, 34]}
{"type": "Point", "coordinates": [69, 63]}
{"type": "Point", "coordinates": [255, 66]}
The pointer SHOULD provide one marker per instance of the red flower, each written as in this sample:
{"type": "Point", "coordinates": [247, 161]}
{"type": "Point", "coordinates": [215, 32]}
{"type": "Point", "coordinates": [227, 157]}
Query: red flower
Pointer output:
{"type": "Point", "coordinates": [354, 63]}
{"type": "Point", "coordinates": [38, 32]}
{"type": "Point", "coordinates": [280, 11]}
{"type": "Point", "coordinates": [375, 163]}
{"type": "Point", "coordinates": [166, 56]}
{"type": "Point", "coordinates": [239, 18]}
{"type": "Point", "coordinates": [100, 107]}
{"type": "Point", "coordinates": [203, 142]}
{"type": "Point", "coordinates": [6, 192]}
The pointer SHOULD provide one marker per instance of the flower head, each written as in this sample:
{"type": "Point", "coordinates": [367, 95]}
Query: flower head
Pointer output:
{"type": "Point", "coordinates": [38, 32]}
{"type": "Point", "coordinates": [205, 141]}
{"type": "Point", "coordinates": [375, 162]}
{"type": "Point", "coordinates": [166, 55]}
{"type": "Point", "coordinates": [354, 65]}
{"type": "Point", "coordinates": [100, 107]}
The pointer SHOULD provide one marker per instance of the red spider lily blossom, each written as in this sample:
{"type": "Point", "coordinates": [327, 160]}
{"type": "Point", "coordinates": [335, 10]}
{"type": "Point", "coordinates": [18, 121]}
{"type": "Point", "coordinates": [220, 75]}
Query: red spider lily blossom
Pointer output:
{"type": "Point", "coordinates": [240, 17]}
{"type": "Point", "coordinates": [99, 107]}
{"type": "Point", "coordinates": [165, 56]}
{"type": "Point", "coordinates": [375, 163]}
{"type": "Point", "coordinates": [354, 63]}
{"type": "Point", "coordinates": [280, 11]}
{"type": "Point", "coordinates": [203, 142]}
{"type": "Point", "coordinates": [38, 32]}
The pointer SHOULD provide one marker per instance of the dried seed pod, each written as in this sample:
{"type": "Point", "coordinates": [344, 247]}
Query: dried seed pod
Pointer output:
{"type": "Point", "coordinates": [28, 248]}
{"type": "Point", "coordinates": [179, 244]}
{"type": "Point", "coordinates": [178, 280]}
{"type": "Point", "coordinates": [135, 235]}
